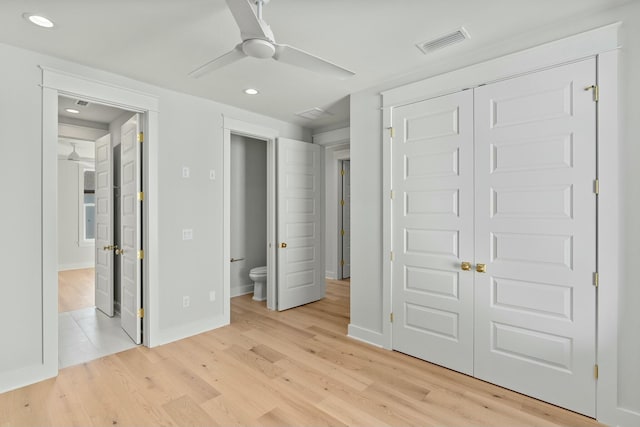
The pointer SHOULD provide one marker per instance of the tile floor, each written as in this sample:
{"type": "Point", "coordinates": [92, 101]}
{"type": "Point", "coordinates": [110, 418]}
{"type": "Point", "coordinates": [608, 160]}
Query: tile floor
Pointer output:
{"type": "Point", "coordinates": [89, 334]}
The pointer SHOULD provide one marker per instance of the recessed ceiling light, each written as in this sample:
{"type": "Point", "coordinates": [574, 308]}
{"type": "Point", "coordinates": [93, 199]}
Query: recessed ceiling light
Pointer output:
{"type": "Point", "coordinates": [72, 111]}
{"type": "Point", "coordinates": [251, 91]}
{"type": "Point", "coordinates": [38, 20]}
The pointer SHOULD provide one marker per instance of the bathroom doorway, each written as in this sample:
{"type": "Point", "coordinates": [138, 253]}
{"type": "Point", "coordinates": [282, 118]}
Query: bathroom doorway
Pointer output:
{"type": "Point", "coordinates": [248, 180]}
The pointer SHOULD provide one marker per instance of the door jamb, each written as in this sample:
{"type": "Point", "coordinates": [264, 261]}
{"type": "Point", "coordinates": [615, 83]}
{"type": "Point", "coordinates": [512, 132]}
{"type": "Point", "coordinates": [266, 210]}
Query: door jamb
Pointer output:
{"type": "Point", "coordinates": [237, 127]}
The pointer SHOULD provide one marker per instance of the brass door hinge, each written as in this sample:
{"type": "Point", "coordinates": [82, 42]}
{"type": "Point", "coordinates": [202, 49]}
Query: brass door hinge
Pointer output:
{"type": "Point", "coordinates": [391, 255]}
{"type": "Point", "coordinates": [391, 194]}
{"type": "Point", "coordinates": [595, 371]}
{"type": "Point", "coordinates": [391, 132]}
{"type": "Point", "coordinates": [342, 172]}
{"type": "Point", "coordinates": [596, 92]}
{"type": "Point", "coordinates": [141, 196]}
{"type": "Point", "coordinates": [596, 279]}
{"type": "Point", "coordinates": [140, 254]}
{"type": "Point", "coordinates": [391, 317]}
{"type": "Point", "coordinates": [342, 202]}
{"type": "Point", "coordinates": [141, 137]}
{"type": "Point", "coordinates": [596, 186]}
{"type": "Point", "coordinates": [342, 232]}
{"type": "Point", "coordinates": [140, 313]}
{"type": "Point", "coordinates": [342, 263]}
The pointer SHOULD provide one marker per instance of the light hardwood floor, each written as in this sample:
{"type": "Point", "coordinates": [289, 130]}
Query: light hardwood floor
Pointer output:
{"type": "Point", "coordinates": [273, 369]}
{"type": "Point", "coordinates": [76, 289]}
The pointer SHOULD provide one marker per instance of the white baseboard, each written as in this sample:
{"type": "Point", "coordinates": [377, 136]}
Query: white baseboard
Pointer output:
{"type": "Point", "coordinates": [236, 291]}
{"type": "Point", "coordinates": [185, 331]}
{"type": "Point", "coordinates": [366, 335]}
{"type": "Point", "coordinates": [331, 275]}
{"type": "Point", "coordinates": [76, 266]}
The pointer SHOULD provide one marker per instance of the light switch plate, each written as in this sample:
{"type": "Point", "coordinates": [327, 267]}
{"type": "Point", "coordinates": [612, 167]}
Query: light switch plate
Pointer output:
{"type": "Point", "coordinates": [212, 174]}
{"type": "Point", "coordinates": [187, 234]}
{"type": "Point", "coordinates": [186, 172]}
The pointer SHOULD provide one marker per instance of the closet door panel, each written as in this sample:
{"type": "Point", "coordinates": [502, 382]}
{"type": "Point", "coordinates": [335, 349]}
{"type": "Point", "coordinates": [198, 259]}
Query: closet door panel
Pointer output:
{"type": "Point", "coordinates": [535, 229]}
{"type": "Point", "coordinates": [432, 216]}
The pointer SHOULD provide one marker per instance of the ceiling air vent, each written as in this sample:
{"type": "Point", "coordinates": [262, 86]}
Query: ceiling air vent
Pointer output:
{"type": "Point", "coordinates": [82, 103]}
{"type": "Point", "coordinates": [443, 41]}
{"type": "Point", "coordinates": [314, 113]}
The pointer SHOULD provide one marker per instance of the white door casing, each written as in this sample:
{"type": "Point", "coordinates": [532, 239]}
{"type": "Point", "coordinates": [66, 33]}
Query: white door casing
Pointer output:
{"type": "Point", "coordinates": [300, 223]}
{"type": "Point", "coordinates": [130, 234]}
{"type": "Point", "coordinates": [535, 229]}
{"type": "Point", "coordinates": [104, 226]}
{"type": "Point", "coordinates": [432, 216]}
{"type": "Point", "coordinates": [345, 233]}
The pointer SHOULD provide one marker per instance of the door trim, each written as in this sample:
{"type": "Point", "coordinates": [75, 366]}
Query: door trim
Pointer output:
{"type": "Point", "coordinates": [55, 83]}
{"type": "Point", "coordinates": [601, 43]}
{"type": "Point", "coordinates": [237, 127]}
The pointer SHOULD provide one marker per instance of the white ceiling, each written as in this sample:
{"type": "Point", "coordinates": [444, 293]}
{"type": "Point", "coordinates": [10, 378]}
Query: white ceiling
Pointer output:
{"type": "Point", "coordinates": [161, 41]}
{"type": "Point", "coordinates": [92, 112]}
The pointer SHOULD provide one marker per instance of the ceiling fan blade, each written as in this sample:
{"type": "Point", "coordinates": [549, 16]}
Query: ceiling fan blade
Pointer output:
{"type": "Point", "coordinates": [250, 26]}
{"type": "Point", "coordinates": [235, 55]}
{"type": "Point", "coordinates": [299, 58]}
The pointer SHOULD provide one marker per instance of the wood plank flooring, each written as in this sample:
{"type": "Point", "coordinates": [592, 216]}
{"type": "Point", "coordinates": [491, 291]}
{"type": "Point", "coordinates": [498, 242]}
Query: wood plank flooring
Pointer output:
{"type": "Point", "coordinates": [76, 289]}
{"type": "Point", "coordinates": [291, 368]}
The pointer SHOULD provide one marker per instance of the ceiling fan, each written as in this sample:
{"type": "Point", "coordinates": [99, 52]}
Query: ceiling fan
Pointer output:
{"type": "Point", "coordinates": [258, 42]}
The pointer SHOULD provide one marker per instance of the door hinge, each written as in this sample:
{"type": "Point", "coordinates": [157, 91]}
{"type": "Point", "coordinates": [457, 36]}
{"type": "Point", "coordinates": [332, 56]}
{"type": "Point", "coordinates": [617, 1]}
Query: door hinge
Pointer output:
{"type": "Point", "coordinates": [595, 371]}
{"type": "Point", "coordinates": [342, 202]}
{"type": "Point", "coordinates": [342, 232]}
{"type": "Point", "coordinates": [596, 92]}
{"type": "Point", "coordinates": [140, 313]}
{"type": "Point", "coordinates": [342, 172]}
{"type": "Point", "coordinates": [391, 317]}
{"type": "Point", "coordinates": [141, 254]}
{"type": "Point", "coordinates": [596, 279]}
{"type": "Point", "coordinates": [141, 137]}
{"type": "Point", "coordinates": [391, 132]}
{"type": "Point", "coordinates": [391, 255]}
{"type": "Point", "coordinates": [391, 194]}
{"type": "Point", "coordinates": [596, 186]}
{"type": "Point", "coordinates": [342, 263]}
{"type": "Point", "coordinates": [141, 196]}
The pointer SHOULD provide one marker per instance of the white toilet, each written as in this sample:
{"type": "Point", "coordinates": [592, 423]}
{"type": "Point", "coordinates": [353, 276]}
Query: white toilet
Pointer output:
{"type": "Point", "coordinates": [259, 277]}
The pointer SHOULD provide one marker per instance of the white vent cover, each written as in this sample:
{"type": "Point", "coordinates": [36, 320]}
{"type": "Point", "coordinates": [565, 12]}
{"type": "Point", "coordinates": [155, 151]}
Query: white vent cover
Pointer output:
{"type": "Point", "coordinates": [441, 42]}
{"type": "Point", "coordinates": [313, 113]}
{"type": "Point", "coordinates": [82, 103]}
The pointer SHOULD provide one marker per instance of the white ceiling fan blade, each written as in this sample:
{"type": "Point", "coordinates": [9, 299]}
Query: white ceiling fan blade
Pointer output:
{"type": "Point", "coordinates": [299, 58]}
{"type": "Point", "coordinates": [235, 55]}
{"type": "Point", "coordinates": [250, 26]}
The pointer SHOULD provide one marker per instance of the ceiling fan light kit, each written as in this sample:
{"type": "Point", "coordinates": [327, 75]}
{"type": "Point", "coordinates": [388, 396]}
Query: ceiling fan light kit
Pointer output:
{"type": "Point", "coordinates": [258, 42]}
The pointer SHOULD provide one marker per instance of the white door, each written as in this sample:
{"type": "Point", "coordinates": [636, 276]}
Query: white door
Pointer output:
{"type": "Point", "coordinates": [104, 227]}
{"type": "Point", "coordinates": [432, 215]}
{"type": "Point", "coordinates": [535, 231]}
{"type": "Point", "coordinates": [130, 234]}
{"type": "Point", "coordinates": [346, 219]}
{"type": "Point", "coordinates": [300, 223]}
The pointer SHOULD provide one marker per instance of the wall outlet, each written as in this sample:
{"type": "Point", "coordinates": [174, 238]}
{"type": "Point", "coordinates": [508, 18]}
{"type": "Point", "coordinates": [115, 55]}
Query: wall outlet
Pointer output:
{"type": "Point", "coordinates": [186, 172]}
{"type": "Point", "coordinates": [187, 234]}
{"type": "Point", "coordinates": [212, 295]}
{"type": "Point", "coordinates": [186, 301]}
{"type": "Point", "coordinates": [212, 174]}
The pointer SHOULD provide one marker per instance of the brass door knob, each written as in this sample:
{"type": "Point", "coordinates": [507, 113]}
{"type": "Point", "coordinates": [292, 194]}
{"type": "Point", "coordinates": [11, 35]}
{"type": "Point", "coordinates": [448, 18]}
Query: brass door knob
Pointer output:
{"type": "Point", "coordinates": [119, 251]}
{"type": "Point", "coordinates": [283, 245]}
{"type": "Point", "coordinates": [466, 266]}
{"type": "Point", "coordinates": [481, 268]}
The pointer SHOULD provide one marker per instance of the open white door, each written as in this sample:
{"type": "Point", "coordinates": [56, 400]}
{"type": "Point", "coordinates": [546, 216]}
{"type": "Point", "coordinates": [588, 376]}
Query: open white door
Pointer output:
{"type": "Point", "coordinates": [346, 220]}
{"type": "Point", "coordinates": [130, 234]}
{"type": "Point", "coordinates": [104, 227]}
{"type": "Point", "coordinates": [300, 224]}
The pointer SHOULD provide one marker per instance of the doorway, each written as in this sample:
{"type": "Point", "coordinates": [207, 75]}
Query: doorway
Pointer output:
{"type": "Point", "coordinates": [345, 220]}
{"type": "Point", "coordinates": [89, 220]}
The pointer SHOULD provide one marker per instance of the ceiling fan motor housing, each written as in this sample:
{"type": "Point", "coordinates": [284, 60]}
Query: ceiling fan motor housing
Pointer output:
{"type": "Point", "coordinates": [258, 48]}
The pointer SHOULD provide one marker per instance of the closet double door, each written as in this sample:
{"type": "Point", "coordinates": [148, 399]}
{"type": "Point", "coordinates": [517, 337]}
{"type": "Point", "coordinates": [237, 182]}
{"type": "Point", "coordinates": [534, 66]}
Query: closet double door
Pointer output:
{"type": "Point", "coordinates": [494, 233]}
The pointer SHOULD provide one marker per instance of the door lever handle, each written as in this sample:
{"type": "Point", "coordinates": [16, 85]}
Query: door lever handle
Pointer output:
{"type": "Point", "coordinates": [109, 248]}
{"type": "Point", "coordinates": [481, 268]}
{"type": "Point", "coordinates": [119, 251]}
{"type": "Point", "coordinates": [237, 259]}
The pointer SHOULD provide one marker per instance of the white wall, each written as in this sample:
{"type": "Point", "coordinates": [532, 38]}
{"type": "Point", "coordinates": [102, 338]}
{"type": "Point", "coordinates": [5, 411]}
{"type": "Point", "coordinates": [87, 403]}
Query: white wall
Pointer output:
{"type": "Point", "coordinates": [248, 210]}
{"type": "Point", "coordinates": [71, 255]}
{"type": "Point", "coordinates": [367, 316]}
{"type": "Point", "coordinates": [190, 134]}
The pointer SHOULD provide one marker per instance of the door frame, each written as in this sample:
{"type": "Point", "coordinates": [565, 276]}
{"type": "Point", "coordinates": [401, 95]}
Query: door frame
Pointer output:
{"type": "Point", "coordinates": [55, 83]}
{"type": "Point", "coordinates": [237, 127]}
{"type": "Point", "coordinates": [341, 160]}
{"type": "Point", "coordinates": [601, 43]}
